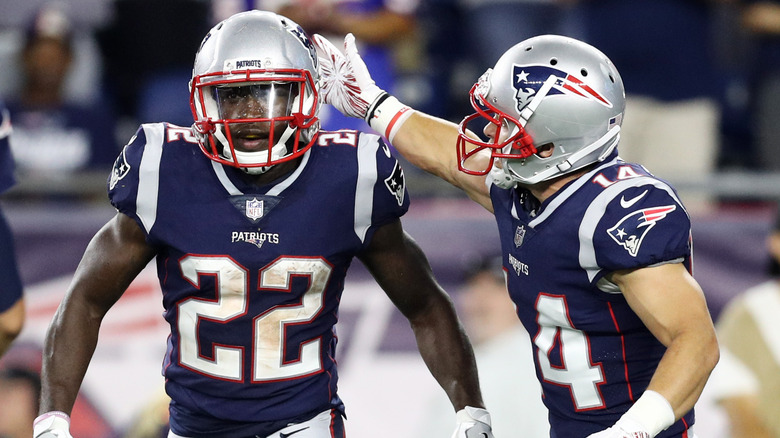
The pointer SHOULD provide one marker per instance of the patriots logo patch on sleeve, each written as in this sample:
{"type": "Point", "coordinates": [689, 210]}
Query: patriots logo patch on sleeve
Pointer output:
{"type": "Point", "coordinates": [396, 183]}
{"type": "Point", "coordinates": [632, 229]}
{"type": "Point", "coordinates": [120, 170]}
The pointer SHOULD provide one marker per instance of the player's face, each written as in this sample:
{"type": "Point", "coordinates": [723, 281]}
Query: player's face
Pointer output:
{"type": "Point", "coordinates": [259, 104]}
{"type": "Point", "coordinates": [491, 129]}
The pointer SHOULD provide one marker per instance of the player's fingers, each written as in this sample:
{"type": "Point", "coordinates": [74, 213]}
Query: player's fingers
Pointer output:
{"type": "Point", "coordinates": [327, 47]}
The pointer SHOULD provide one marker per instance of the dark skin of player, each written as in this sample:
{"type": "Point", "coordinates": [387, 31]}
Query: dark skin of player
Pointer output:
{"type": "Point", "coordinates": [119, 251]}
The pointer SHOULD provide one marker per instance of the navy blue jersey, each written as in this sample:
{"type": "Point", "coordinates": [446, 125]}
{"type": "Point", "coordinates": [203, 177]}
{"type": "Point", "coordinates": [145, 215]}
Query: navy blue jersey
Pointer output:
{"type": "Point", "coordinates": [10, 282]}
{"type": "Point", "coordinates": [252, 276]}
{"type": "Point", "coordinates": [594, 356]}
{"type": "Point", "coordinates": [6, 159]}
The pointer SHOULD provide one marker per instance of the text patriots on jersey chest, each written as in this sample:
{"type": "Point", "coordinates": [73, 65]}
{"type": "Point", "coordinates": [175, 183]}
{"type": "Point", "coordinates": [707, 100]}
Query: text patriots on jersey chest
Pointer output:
{"type": "Point", "coordinates": [519, 267]}
{"type": "Point", "coordinates": [256, 238]}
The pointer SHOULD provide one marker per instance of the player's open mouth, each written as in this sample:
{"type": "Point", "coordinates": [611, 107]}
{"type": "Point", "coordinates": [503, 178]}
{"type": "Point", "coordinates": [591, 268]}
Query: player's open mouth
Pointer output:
{"type": "Point", "coordinates": [251, 140]}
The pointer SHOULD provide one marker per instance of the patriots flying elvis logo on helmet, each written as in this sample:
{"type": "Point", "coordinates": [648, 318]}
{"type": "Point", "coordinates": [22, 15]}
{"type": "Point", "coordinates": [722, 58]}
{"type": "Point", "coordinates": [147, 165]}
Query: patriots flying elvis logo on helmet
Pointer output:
{"type": "Point", "coordinates": [529, 79]}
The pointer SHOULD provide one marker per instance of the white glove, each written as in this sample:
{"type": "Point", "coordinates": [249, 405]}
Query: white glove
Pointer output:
{"type": "Point", "coordinates": [624, 428]}
{"type": "Point", "coordinates": [649, 416]}
{"type": "Point", "coordinates": [472, 423]}
{"type": "Point", "coordinates": [345, 81]}
{"type": "Point", "coordinates": [53, 424]}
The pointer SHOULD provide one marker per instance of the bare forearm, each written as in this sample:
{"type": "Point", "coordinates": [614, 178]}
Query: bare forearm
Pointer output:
{"type": "Point", "coordinates": [70, 343]}
{"type": "Point", "coordinates": [429, 143]}
{"type": "Point", "coordinates": [684, 370]}
{"type": "Point", "coordinates": [450, 359]}
{"type": "Point", "coordinates": [672, 306]}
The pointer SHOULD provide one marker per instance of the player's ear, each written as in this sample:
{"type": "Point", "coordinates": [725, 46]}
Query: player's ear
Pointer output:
{"type": "Point", "coordinates": [545, 150]}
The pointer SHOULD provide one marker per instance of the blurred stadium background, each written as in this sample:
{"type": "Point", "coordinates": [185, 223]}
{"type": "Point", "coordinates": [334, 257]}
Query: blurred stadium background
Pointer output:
{"type": "Point", "coordinates": [383, 381]}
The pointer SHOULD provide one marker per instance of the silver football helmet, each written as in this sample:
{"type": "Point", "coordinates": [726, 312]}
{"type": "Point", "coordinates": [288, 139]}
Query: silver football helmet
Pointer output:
{"type": "Point", "coordinates": [545, 92]}
{"type": "Point", "coordinates": [254, 91]}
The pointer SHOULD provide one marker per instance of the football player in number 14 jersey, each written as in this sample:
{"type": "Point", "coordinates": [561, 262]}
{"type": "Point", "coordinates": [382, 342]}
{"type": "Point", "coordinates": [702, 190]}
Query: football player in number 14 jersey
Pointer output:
{"type": "Point", "coordinates": [254, 217]}
{"type": "Point", "coordinates": [597, 252]}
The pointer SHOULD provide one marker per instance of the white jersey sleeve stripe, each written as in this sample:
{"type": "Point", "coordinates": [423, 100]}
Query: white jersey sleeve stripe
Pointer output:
{"type": "Point", "coordinates": [149, 175]}
{"type": "Point", "coordinates": [279, 188]}
{"type": "Point", "coordinates": [595, 211]}
{"type": "Point", "coordinates": [364, 189]}
{"type": "Point", "coordinates": [567, 192]}
{"type": "Point", "coordinates": [219, 170]}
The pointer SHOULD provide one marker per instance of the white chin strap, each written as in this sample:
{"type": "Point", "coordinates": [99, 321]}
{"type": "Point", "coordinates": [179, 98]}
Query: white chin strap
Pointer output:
{"type": "Point", "coordinates": [529, 109]}
{"type": "Point", "coordinates": [568, 165]}
{"type": "Point", "coordinates": [278, 151]}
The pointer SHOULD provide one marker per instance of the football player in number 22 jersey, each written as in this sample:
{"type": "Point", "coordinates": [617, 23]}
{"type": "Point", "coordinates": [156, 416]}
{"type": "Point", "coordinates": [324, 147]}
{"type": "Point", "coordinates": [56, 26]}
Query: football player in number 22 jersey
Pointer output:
{"type": "Point", "coordinates": [597, 252]}
{"type": "Point", "coordinates": [254, 217]}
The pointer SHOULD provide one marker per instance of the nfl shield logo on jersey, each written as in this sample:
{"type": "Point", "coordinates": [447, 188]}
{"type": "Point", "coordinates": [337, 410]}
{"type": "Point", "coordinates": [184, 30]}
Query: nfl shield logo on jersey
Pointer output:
{"type": "Point", "coordinates": [519, 235]}
{"type": "Point", "coordinates": [254, 209]}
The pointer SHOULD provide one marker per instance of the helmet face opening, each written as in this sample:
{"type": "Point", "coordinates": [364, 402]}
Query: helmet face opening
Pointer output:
{"type": "Point", "coordinates": [490, 129]}
{"type": "Point", "coordinates": [253, 92]}
{"type": "Point", "coordinates": [548, 90]}
{"type": "Point", "coordinates": [259, 111]}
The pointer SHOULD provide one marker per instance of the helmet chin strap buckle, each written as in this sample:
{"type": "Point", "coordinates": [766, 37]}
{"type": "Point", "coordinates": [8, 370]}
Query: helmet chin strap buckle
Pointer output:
{"type": "Point", "coordinates": [299, 121]}
{"type": "Point", "coordinates": [524, 145]}
{"type": "Point", "coordinates": [205, 126]}
{"type": "Point", "coordinates": [563, 167]}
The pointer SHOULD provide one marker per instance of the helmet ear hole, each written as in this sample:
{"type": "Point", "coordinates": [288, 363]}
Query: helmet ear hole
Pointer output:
{"type": "Point", "coordinates": [545, 150]}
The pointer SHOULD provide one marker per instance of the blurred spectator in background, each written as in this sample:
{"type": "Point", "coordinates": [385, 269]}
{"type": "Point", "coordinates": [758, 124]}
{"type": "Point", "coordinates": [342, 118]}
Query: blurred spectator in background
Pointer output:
{"type": "Point", "coordinates": [11, 298]}
{"type": "Point", "coordinates": [148, 48]}
{"type": "Point", "coordinates": [489, 20]}
{"type": "Point", "coordinates": [502, 348]}
{"type": "Point", "coordinates": [761, 19]}
{"type": "Point", "coordinates": [153, 421]}
{"type": "Point", "coordinates": [747, 384]}
{"type": "Point", "coordinates": [55, 137]}
{"type": "Point", "coordinates": [87, 66]}
{"type": "Point", "coordinates": [20, 390]}
{"type": "Point", "coordinates": [666, 56]}
{"type": "Point", "coordinates": [463, 37]}
{"type": "Point", "coordinates": [380, 25]}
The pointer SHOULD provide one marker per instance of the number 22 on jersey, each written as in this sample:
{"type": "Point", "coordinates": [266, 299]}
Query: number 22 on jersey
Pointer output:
{"type": "Point", "coordinates": [269, 328]}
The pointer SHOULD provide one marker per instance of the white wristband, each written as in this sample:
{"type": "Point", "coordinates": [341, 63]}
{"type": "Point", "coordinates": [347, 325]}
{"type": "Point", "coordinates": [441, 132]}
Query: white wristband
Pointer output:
{"type": "Point", "coordinates": [470, 414]}
{"type": "Point", "coordinates": [387, 115]}
{"type": "Point", "coordinates": [53, 420]}
{"type": "Point", "coordinates": [652, 411]}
